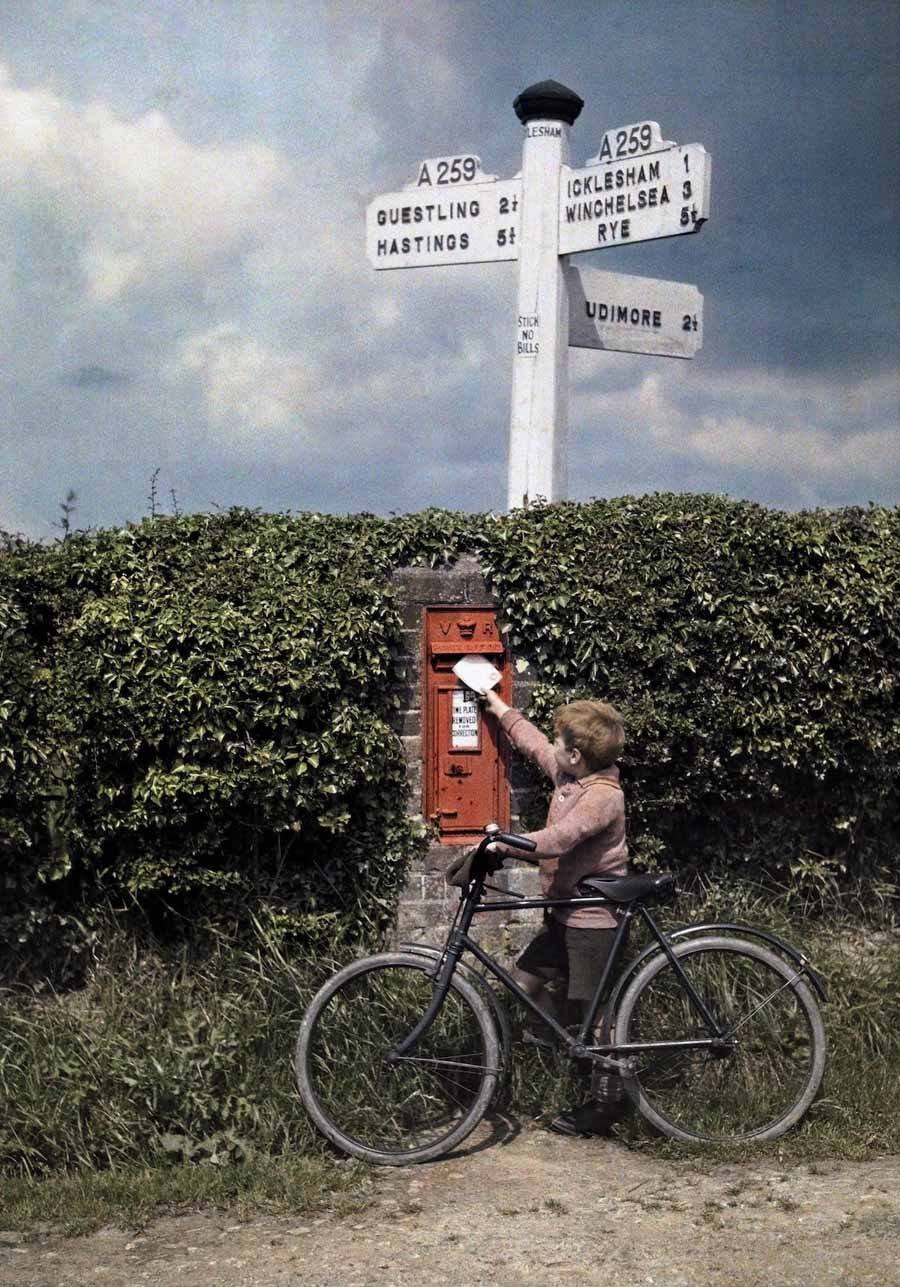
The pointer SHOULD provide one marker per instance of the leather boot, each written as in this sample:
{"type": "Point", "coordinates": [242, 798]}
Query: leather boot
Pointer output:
{"type": "Point", "coordinates": [592, 1118]}
{"type": "Point", "coordinates": [599, 1114]}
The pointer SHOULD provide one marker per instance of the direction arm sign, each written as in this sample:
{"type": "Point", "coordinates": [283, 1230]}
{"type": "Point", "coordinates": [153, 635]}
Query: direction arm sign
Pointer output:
{"type": "Point", "coordinates": [633, 314]}
{"type": "Point", "coordinates": [464, 223]}
{"type": "Point", "coordinates": [661, 194]}
{"type": "Point", "coordinates": [638, 187]}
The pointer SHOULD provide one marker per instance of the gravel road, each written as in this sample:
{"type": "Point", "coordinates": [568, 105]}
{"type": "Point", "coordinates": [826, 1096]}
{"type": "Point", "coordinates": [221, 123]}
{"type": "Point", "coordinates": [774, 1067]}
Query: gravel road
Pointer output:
{"type": "Point", "coordinates": [530, 1208]}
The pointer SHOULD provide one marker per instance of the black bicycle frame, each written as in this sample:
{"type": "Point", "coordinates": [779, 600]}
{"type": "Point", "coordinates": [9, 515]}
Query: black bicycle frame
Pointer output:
{"type": "Point", "coordinates": [458, 941]}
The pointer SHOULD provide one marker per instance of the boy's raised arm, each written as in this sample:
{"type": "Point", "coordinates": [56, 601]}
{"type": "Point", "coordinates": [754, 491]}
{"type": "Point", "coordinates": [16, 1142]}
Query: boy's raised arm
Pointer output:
{"type": "Point", "coordinates": [527, 739]}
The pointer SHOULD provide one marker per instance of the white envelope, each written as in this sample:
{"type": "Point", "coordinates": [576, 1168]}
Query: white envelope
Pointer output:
{"type": "Point", "coordinates": [478, 673]}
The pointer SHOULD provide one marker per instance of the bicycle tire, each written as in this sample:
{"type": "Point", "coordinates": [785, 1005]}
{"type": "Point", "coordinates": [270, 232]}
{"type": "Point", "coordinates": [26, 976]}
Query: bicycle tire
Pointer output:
{"type": "Point", "coordinates": [763, 1083]}
{"type": "Point", "coordinates": [413, 1111]}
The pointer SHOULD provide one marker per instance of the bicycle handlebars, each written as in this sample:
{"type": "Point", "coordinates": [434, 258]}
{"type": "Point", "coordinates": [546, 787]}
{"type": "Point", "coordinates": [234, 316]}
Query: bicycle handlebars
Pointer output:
{"type": "Point", "coordinates": [493, 832]}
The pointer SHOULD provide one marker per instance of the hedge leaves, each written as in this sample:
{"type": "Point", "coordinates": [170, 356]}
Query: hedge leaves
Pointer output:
{"type": "Point", "coordinates": [195, 712]}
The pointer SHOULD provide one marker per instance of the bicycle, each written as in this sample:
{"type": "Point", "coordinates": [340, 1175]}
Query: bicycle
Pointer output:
{"type": "Point", "coordinates": [714, 1029]}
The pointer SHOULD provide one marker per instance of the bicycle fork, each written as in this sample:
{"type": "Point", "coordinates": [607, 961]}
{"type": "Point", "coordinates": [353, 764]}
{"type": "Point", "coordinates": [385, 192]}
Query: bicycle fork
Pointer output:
{"type": "Point", "coordinates": [442, 987]}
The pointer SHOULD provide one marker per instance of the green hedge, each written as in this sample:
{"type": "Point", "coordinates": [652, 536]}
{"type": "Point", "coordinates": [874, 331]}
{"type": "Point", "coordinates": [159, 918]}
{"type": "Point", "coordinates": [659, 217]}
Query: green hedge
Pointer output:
{"type": "Point", "coordinates": [211, 693]}
{"type": "Point", "coordinates": [755, 655]}
{"type": "Point", "coordinates": [194, 712]}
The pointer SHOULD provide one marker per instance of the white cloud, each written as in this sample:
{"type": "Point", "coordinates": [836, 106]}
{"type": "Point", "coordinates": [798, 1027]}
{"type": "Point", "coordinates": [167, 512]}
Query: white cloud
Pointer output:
{"type": "Point", "coordinates": [246, 386]}
{"type": "Point", "coordinates": [109, 272]}
{"type": "Point", "coordinates": [820, 429]}
{"type": "Point", "coordinates": [255, 392]}
{"type": "Point", "coordinates": [140, 201]}
{"type": "Point", "coordinates": [287, 323]}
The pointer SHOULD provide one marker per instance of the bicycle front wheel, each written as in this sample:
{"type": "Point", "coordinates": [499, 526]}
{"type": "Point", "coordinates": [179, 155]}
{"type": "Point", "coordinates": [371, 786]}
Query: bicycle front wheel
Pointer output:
{"type": "Point", "coordinates": [760, 1077]}
{"type": "Point", "coordinates": [424, 1105]}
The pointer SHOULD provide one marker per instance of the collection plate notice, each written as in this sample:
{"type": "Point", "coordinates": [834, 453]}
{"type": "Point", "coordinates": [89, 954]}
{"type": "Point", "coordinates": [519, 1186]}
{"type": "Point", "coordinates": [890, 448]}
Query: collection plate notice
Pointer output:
{"type": "Point", "coordinates": [464, 721]}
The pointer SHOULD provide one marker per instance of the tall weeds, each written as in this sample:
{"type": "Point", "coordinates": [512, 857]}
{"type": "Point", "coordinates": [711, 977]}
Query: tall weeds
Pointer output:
{"type": "Point", "coordinates": [187, 1056]}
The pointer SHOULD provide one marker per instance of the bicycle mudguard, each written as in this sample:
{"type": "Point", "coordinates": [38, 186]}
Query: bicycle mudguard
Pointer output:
{"type": "Point", "coordinates": [774, 940]}
{"type": "Point", "coordinates": [714, 927]}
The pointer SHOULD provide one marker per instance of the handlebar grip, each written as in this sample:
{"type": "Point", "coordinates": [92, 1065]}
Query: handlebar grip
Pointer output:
{"type": "Point", "coordinates": [515, 842]}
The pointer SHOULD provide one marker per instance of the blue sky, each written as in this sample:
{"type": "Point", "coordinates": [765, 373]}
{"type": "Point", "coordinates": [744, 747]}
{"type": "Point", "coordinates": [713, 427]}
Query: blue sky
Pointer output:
{"type": "Point", "coordinates": [185, 287]}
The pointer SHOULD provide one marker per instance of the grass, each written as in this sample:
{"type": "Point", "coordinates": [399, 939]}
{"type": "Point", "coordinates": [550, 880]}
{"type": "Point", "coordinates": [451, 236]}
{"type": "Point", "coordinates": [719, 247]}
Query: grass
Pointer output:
{"type": "Point", "coordinates": [166, 1082]}
{"type": "Point", "coordinates": [87, 1200]}
{"type": "Point", "coordinates": [158, 1057]}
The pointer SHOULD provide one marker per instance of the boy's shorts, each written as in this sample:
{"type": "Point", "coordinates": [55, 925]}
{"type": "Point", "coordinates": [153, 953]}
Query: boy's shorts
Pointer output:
{"type": "Point", "coordinates": [580, 955]}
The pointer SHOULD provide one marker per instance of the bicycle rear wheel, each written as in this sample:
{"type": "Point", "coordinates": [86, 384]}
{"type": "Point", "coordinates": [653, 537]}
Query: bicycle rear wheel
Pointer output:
{"type": "Point", "coordinates": [765, 1073]}
{"type": "Point", "coordinates": [419, 1108]}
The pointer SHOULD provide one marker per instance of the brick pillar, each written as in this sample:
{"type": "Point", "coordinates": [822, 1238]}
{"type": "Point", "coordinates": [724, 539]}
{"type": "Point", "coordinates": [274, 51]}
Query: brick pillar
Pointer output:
{"type": "Point", "coordinates": [427, 905]}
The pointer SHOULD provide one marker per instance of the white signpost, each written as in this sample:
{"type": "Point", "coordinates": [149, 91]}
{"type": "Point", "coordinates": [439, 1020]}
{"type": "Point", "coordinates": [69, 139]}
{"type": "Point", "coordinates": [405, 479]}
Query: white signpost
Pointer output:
{"type": "Point", "coordinates": [638, 187]}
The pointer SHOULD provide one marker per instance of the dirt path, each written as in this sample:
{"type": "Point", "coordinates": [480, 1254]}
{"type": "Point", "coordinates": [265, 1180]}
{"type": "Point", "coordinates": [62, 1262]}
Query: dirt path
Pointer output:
{"type": "Point", "coordinates": [533, 1209]}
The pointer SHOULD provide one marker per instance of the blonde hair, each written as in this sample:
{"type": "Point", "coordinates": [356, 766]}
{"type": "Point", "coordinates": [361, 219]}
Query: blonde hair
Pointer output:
{"type": "Point", "coordinates": [596, 729]}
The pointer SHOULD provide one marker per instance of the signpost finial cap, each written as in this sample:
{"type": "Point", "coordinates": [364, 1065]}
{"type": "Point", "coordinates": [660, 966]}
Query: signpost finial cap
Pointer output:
{"type": "Point", "coordinates": [548, 101]}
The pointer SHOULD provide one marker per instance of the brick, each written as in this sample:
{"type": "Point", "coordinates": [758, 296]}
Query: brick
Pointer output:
{"type": "Point", "coordinates": [404, 670]}
{"type": "Point", "coordinates": [403, 714]}
{"type": "Point", "coordinates": [494, 920]}
{"type": "Point", "coordinates": [530, 916]}
{"type": "Point", "coordinates": [407, 723]}
{"type": "Point", "coordinates": [409, 690]}
{"type": "Point", "coordinates": [413, 891]}
{"type": "Point", "coordinates": [423, 914]}
{"type": "Point", "coordinates": [523, 880]}
{"type": "Point", "coordinates": [476, 590]}
{"type": "Point", "coordinates": [435, 886]}
{"type": "Point", "coordinates": [411, 642]}
{"type": "Point", "coordinates": [412, 619]}
{"type": "Point", "coordinates": [438, 857]}
{"type": "Point", "coordinates": [430, 586]}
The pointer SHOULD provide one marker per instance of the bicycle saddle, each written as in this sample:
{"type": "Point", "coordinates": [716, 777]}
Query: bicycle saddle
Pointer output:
{"type": "Point", "coordinates": [625, 889]}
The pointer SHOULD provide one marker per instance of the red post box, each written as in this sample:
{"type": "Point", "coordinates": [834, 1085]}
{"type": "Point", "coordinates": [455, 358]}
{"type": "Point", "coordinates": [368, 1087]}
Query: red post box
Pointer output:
{"type": "Point", "coordinates": [466, 767]}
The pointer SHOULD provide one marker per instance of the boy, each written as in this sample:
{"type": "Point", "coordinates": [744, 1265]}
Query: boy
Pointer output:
{"type": "Point", "coordinates": [584, 835]}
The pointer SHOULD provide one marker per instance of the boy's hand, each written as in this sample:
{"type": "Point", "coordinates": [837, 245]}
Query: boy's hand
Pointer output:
{"type": "Point", "coordinates": [494, 703]}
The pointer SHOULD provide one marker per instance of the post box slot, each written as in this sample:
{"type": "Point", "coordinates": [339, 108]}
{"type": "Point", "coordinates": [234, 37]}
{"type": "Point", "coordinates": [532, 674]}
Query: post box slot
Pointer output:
{"type": "Point", "coordinates": [445, 663]}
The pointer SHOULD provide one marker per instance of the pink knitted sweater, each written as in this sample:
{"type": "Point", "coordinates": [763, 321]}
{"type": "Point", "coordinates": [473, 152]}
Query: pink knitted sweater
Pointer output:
{"type": "Point", "coordinates": [585, 830]}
